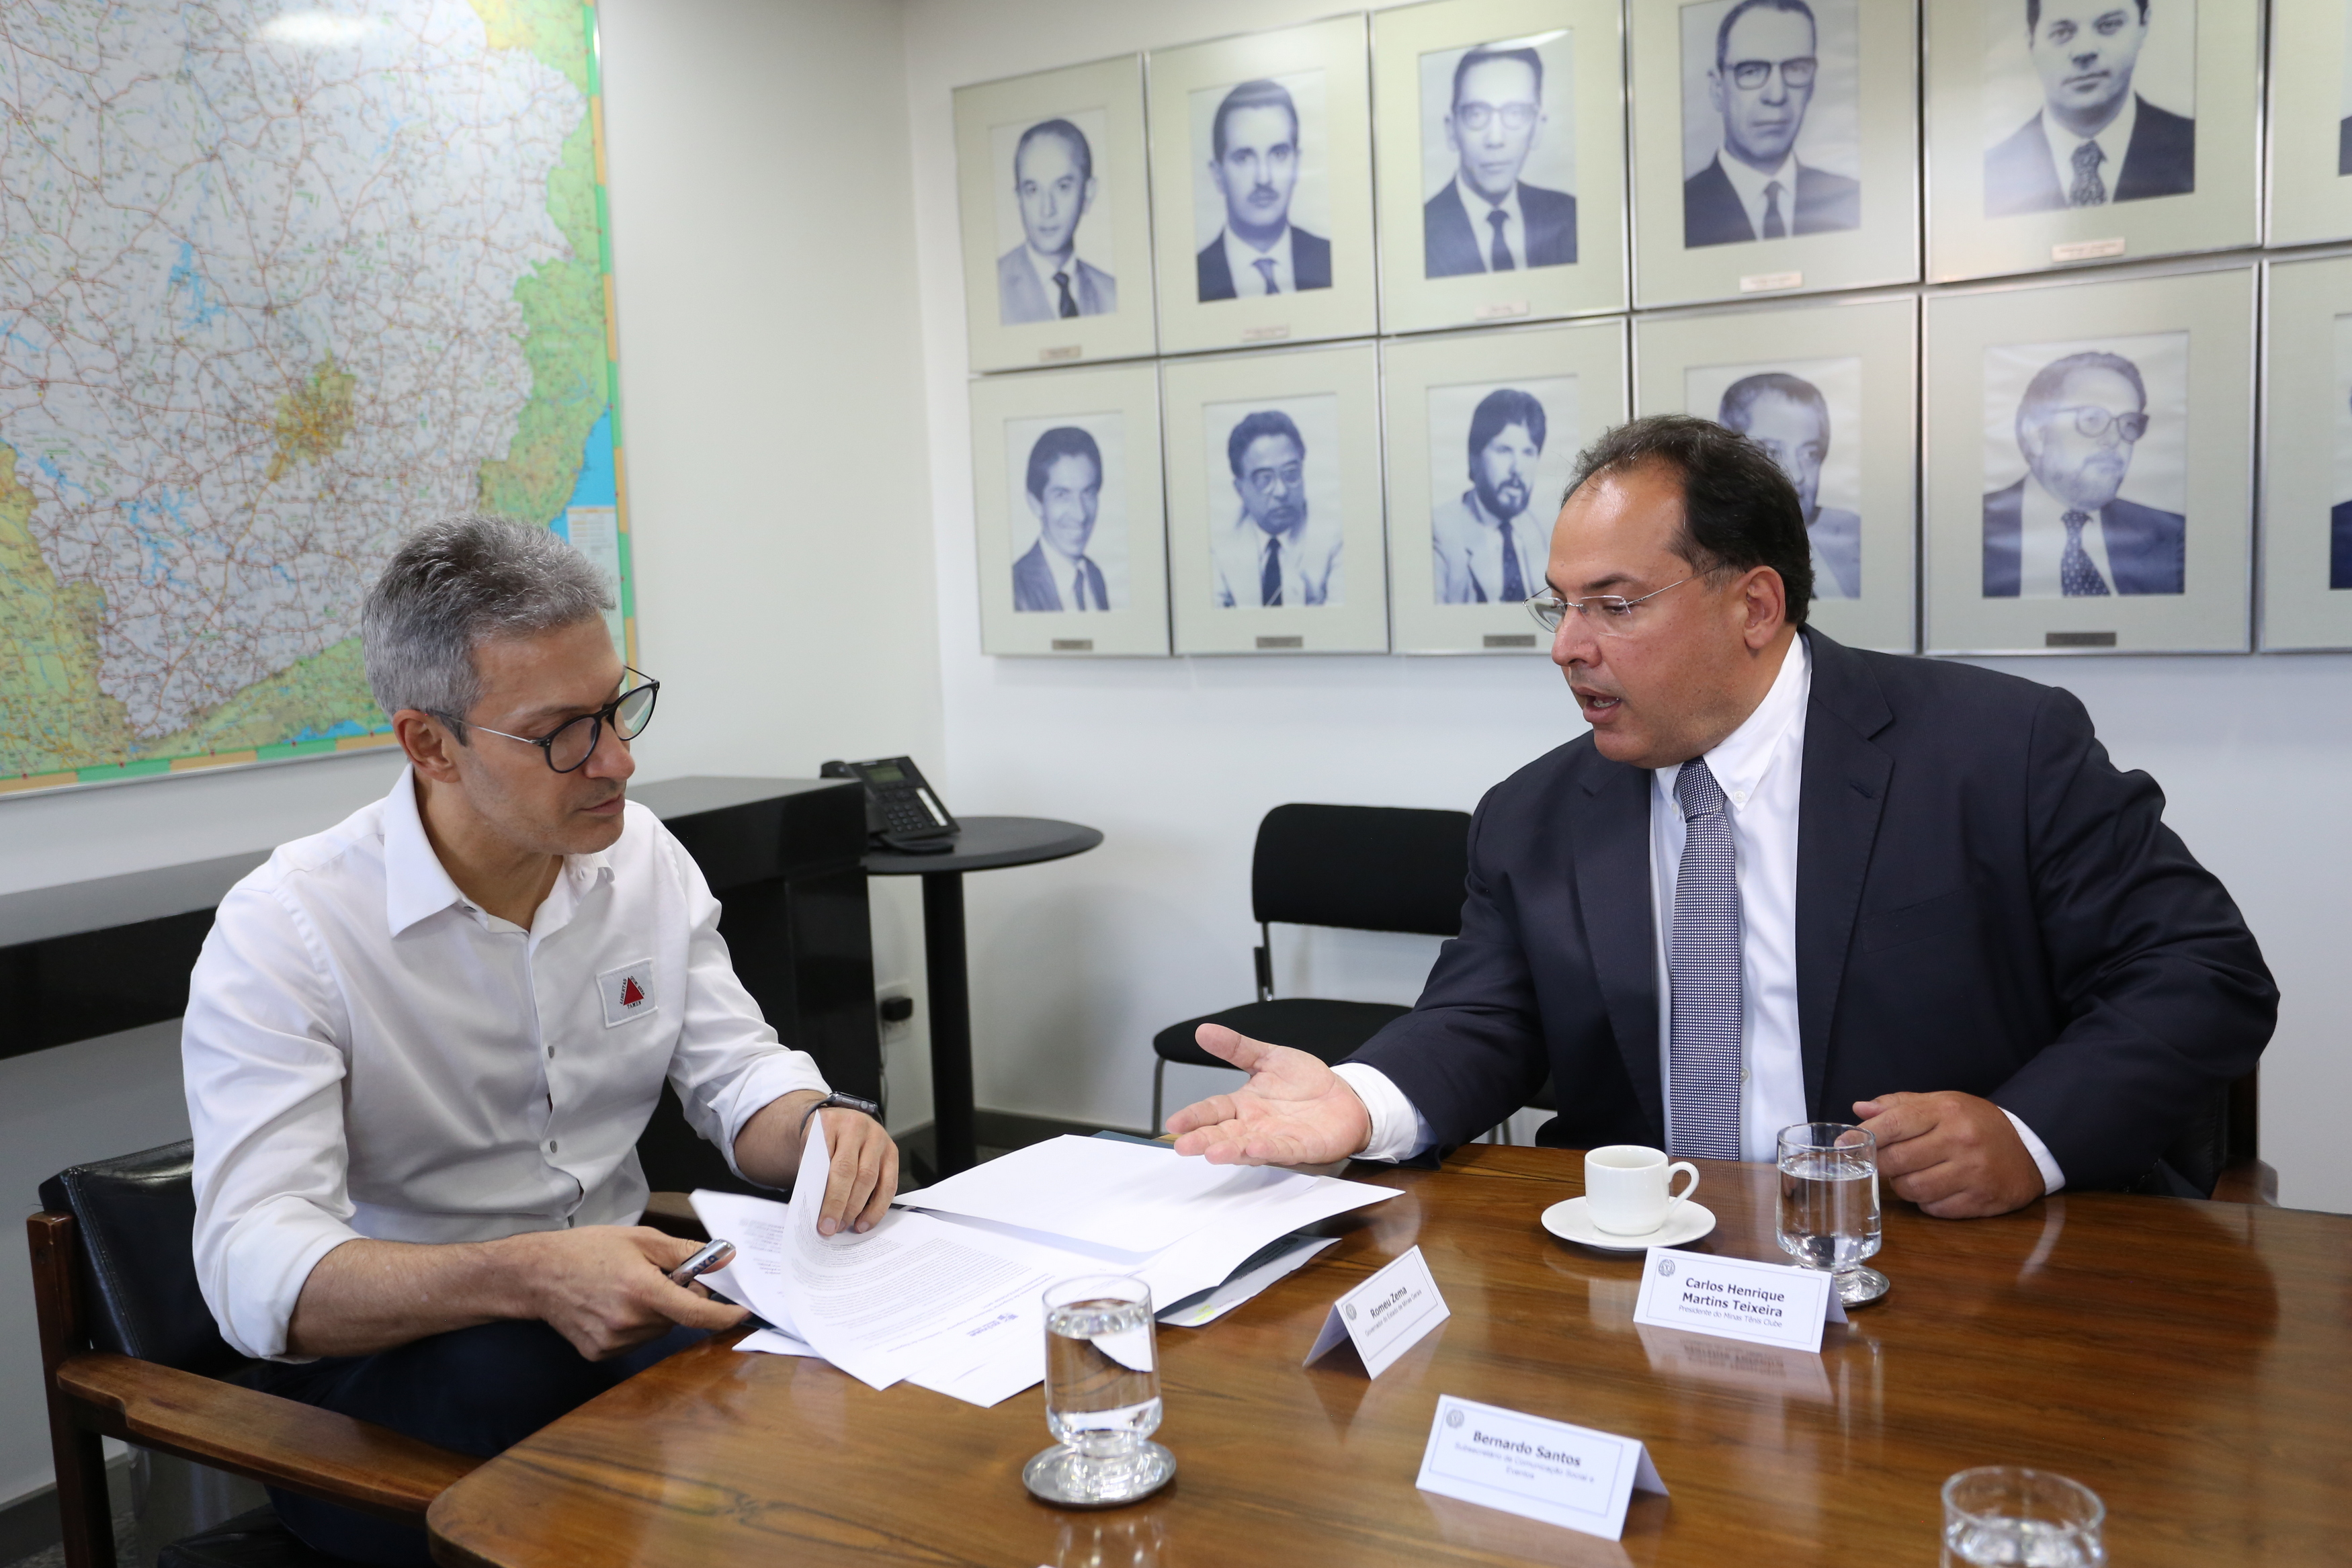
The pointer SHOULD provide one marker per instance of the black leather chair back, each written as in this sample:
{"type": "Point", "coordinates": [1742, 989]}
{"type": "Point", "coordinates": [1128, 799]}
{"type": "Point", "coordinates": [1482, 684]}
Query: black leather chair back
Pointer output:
{"type": "Point", "coordinates": [1367, 868]}
{"type": "Point", "coordinates": [136, 1217]}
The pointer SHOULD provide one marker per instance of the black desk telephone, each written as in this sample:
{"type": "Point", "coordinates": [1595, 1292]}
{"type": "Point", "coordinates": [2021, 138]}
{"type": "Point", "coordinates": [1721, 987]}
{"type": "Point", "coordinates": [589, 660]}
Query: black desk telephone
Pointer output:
{"type": "Point", "coordinates": [901, 812]}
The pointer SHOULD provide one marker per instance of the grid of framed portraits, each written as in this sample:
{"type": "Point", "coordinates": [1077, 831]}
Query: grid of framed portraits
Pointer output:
{"type": "Point", "coordinates": [1305, 327]}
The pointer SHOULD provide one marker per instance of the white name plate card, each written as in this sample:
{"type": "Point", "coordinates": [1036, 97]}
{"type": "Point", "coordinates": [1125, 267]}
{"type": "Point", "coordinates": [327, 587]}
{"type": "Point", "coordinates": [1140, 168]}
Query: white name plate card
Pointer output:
{"type": "Point", "coordinates": [1573, 1476]}
{"type": "Point", "coordinates": [1764, 1303]}
{"type": "Point", "coordinates": [1386, 1315]}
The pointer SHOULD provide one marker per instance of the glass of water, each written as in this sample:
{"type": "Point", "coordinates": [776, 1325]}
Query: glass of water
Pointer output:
{"type": "Point", "coordinates": [1102, 1396]}
{"type": "Point", "coordinates": [2003, 1517]}
{"type": "Point", "coordinates": [1829, 1204]}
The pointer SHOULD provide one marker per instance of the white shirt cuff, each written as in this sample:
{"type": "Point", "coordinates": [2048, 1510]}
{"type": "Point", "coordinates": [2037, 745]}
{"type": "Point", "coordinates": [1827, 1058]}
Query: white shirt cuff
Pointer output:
{"type": "Point", "coordinates": [2052, 1179]}
{"type": "Point", "coordinates": [1399, 1129]}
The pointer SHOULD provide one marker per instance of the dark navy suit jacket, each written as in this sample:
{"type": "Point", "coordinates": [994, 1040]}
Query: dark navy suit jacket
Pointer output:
{"type": "Point", "coordinates": [1033, 587]}
{"type": "Point", "coordinates": [1310, 263]}
{"type": "Point", "coordinates": [2145, 548]}
{"type": "Point", "coordinates": [1984, 903]}
{"type": "Point", "coordinates": [1452, 245]}
{"type": "Point", "coordinates": [2161, 161]}
{"type": "Point", "coordinates": [1712, 215]}
{"type": "Point", "coordinates": [2339, 545]}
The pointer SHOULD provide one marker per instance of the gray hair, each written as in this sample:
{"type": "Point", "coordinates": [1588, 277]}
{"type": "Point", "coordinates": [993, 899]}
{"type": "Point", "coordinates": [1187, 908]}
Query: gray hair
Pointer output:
{"type": "Point", "coordinates": [452, 585]}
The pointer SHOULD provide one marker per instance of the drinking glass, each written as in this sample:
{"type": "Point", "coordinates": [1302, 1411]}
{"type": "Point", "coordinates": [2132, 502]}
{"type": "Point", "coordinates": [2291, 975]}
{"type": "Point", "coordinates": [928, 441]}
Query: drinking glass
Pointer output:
{"type": "Point", "coordinates": [1829, 1204]}
{"type": "Point", "coordinates": [1102, 1396]}
{"type": "Point", "coordinates": [2004, 1517]}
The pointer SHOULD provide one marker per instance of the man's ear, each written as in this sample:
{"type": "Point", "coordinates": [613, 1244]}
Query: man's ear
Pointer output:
{"type": "Point", "coordinates": [1715, 89]}
{"type": "Point", "coordinates": [1765, 597]}
{"type": "Point", "coordinates": [427, 743]}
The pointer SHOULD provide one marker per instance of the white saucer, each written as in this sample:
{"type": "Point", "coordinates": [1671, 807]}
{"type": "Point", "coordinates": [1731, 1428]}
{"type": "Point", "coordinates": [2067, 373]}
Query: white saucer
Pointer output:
{"type": "Point", "coordinates": [1572, 1221]}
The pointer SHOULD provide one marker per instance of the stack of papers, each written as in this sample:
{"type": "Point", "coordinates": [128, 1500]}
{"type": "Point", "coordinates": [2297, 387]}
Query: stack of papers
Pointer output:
{"type": "Point", "coordinates": [945, 1292]}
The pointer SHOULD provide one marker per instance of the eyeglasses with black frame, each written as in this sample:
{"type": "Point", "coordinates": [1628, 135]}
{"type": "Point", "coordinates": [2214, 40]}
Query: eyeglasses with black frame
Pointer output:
{"type": "Point", "coordinates": [570, 745]}
{"type": "Point", "coordinates": [1610, 614]}
{"type": "Point", "coordinates": [2092, 421]}
{"type": "Point", "coordinates": [1797, 72]}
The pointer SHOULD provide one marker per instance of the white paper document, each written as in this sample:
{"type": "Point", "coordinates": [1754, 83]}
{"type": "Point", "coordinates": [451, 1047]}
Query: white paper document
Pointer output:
{"type": "Point", "coordinates": [1386, 1315]}
{"type": "Point", "coordinates": [1765, 1304]}
{"type": "Point", "coordinates": [1570, 1475]}
{"type": "Point", "coordinates": [1287, 1256]}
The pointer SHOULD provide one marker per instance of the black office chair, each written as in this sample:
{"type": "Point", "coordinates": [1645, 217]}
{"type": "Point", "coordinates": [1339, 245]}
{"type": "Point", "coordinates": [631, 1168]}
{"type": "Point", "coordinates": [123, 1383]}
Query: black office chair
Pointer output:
{"type": "Point", "coordinates": [129, 1350]}
{"type": "Point", "coordinates": [1361, 868]}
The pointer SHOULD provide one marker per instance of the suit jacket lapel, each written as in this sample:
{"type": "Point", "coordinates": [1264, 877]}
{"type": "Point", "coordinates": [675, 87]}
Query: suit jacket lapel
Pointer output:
{"type": "Point", "coordinates": [1838, 809]}
{"type": "Point", "coordinates": [1611, 830]}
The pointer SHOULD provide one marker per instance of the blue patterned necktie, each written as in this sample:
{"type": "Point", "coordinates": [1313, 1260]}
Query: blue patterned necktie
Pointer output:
{"type": "Point", "coordinates": [1264, 265]}
{"type": "Point", "coordinates": [1703, 974]}
{"type": "Point", "coordinates": [1269, 582]}
{"type": "Point", "coordinates": [2078, 577]}
{"type": "Point", "coordinates": [2089, 189]}
{"type": "Point", "coordinates": [1515, 583]}
{"type": "Point", "coordinates": [1775, 225]}
{"type": "Point", "coordinates": [1498, 258]}
{"type": "Point", "coordinates": [1069, 306]}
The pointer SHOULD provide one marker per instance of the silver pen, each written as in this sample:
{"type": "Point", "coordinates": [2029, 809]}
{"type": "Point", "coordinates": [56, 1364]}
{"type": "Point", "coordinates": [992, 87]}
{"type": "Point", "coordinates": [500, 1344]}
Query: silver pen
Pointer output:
{"type": "Point", "coordinates": [717, 1255]}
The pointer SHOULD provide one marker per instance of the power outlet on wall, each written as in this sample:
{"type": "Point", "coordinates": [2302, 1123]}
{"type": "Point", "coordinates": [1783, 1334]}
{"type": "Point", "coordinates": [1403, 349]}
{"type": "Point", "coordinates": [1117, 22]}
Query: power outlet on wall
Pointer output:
{"type": "Point", "coordinates": [896, 1008]}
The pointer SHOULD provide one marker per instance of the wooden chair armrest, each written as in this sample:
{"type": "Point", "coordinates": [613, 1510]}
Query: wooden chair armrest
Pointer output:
{"type": "Point", "coordinates": [279, 1442]}
{"type": "Point", "coordinates": [673, 1212]}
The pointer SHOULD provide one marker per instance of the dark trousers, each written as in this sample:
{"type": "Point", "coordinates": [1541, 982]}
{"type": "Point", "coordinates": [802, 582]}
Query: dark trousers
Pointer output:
{"type": "Point", "coordinates": [478, 1391]}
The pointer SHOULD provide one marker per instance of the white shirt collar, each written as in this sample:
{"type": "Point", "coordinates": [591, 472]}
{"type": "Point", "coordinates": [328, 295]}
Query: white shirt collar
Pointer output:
{"type": "Point", "coordinates": [1741, 759]}
{"type": "Point", "coordinates": [1749, 182]}
{"type": "Point", "coordinates": [1241, 260]}
{"type": "Point", "coordinates": [1046, 267]}
{"type": "Point", "coordinates": [2041, 543]}
{"type": "Point", "coordinates": [1515, 229]}
{"type": "Point", "coordinates": [1066, 570]}
{"type": "Point", "coordinates": [416, 884]}
{"type": "Point", "coordinates": [2114, 141]}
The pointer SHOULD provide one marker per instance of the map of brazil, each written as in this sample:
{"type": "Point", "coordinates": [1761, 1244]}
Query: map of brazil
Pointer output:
{"type": "Point", "coordinates": [279, 283]}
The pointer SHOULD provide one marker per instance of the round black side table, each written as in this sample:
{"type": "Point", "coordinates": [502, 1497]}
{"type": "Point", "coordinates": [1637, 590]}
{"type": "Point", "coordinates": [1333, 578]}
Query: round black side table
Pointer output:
{"type": "Point", "coordinates": [985, 844]}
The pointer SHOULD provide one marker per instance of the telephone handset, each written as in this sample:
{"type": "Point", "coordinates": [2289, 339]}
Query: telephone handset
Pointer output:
{"type": "Point", "coordinates": [901, 811]}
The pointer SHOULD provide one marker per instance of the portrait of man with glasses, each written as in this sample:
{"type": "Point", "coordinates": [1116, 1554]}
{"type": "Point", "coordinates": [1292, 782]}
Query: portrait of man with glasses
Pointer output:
{"type": "Point", "coordinates": [1485, 216]}
{"type": "Point", "coordinates": [2096, 139]}
{"type": "Point", "coordinates": [1277, 550]}
{"type": "Point", "coordinates": [1759, 84]}
{"type": "Point", "coordinates": [2063, 530]}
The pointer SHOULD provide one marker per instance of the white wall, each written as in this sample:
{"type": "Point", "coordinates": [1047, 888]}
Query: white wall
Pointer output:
{"type": "Point", "coordinates": [1075, 965]}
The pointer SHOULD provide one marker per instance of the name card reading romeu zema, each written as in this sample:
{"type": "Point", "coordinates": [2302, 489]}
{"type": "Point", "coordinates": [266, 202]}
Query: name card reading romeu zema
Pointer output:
{"type": "Point", "coordinates": [1765, 1304]}
{"type": "Point", "coordinates": [1386, 1315]}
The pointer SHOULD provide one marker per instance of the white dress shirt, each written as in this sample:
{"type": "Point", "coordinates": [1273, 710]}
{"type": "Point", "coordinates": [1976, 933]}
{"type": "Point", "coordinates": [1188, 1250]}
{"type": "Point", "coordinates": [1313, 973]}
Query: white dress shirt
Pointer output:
{"type": "Point", "coordinates": [2041, 543]}
{"type": "Point", "coordinates": [1515, 225]}
{"type": "Point", "coordinates": [369, 1054]}
{"type": "Point", "coordinates": [2113, 141]}
{"type": "Point", "coordinates": [1760, 769]}
{"type": "Point", "coordinates": [1468, 541]}
{"type": "Point", "coordinates": [1308, 562]}
{"type": "Point", "coordinates": [1241, 260]}
{"type": "Point", "coordinates": [1046, 267]}
{"type": "Point", "coordinates": [1749, 182]}
{"type": "Point", "coordinates": [1069, 578]}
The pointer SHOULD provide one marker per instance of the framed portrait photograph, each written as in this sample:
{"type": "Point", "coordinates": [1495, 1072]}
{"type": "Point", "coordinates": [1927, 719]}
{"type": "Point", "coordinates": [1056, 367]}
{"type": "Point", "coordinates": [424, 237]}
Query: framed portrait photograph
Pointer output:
{"type": "Point", "coordinates": [1056, 218]}
{"type": "Point", "coordinates": [1274, 503]}
{"type": "Point", "coordinates": [1775, 148]}
{"type": "Point", "coordinates": [1831, 389]}
{"type": "Point", "coordinates": [1261, 188]}
{"type": "Point", "coordinates": [2090, 465]}
{"type": "Point", "coordinates": [2062, 131]}
{"type": "Point", "coordinates": [1482, 433]}
{"type": "Point", "coordinates": [2309, 125]}
{"type": "Point", "coordinates": [1067, 497]}
{"type": "Point", "coordinates": [1502, 161]}
{"type": "Point", "coordinates": [2306, 442]}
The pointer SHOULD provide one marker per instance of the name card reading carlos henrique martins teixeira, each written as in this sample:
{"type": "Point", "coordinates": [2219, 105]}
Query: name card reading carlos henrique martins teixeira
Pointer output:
{"type": "Point", "coordinates": [1386, 1315]}
{"type": "Point", "coordinates": [1570, 1475]}
{"type": "Point", "coordinates": [1767, 1303]}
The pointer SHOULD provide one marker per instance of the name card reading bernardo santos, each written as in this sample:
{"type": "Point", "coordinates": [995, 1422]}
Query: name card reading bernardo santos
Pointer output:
{"type": "Point", "coordinates": [1766, 1303]}
{"type": "Point", "coordinates": [1386, 1315]}
{"type": "Point", "coordinates": [1570, 1475]}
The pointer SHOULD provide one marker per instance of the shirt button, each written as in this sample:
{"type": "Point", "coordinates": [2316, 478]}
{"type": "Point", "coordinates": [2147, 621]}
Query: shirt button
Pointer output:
{"type": "Point", "coordinates": [551, 1145]}
{"type": "Point", "coordinates": [1739, 797]}
{"type": "Point", "coordinates": [550, 1053]}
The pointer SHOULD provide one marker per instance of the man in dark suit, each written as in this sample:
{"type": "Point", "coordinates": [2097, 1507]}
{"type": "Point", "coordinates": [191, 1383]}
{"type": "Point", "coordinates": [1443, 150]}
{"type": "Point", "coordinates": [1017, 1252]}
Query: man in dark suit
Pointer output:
{"type": "Point", "coordinates": [1912, 893]}
{"type": "Point", "coordinates": [1496, 113]}
{"type": "Point", "coordinates": [2095, 140]}
{"type": "Point", "coordinates": [1762, 85]}
{"type": "Point", "coordinates": [1065, 490]}
{"type": "Point", "coordinates": [2062, 531]}
{"type": "Point", "coordinates": [1253, 159]}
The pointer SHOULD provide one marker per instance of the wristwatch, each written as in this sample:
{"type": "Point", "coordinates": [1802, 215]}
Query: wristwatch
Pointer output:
{"type": "Point", "coordinates": [844, 1102]}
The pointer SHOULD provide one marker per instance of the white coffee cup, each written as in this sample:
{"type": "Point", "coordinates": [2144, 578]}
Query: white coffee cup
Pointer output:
{"type": "Point", "coordinates": [1627, 1188]}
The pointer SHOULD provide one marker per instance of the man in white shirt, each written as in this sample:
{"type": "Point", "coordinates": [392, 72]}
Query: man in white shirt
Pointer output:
{"type": "Point", "coordinates": [1064, 486]}
{"type": "Point", "coordinates": [1042, 280]}
{"type": "Point", "coordinates": [1486, 548]}
{"type": "Point", "coordinates": [420, 1046]}
{"type": "Point", "coordinates": [2062, 531]}
{"type": "Point", "coordinates": [1274, 555]}
{"type": "Point", "coordinates": [1784, 881]}
{"type": "Point", "coordinates": [2096, 140]}
{"type": "Point", "coordinates": [1255, 153]}
{"type": "Point", "coordinates": [1766, 65]}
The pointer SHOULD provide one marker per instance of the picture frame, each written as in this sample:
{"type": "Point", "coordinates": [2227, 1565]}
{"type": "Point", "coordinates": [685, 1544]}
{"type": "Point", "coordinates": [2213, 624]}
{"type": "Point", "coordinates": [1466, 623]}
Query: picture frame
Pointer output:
{"type": "Point", "coordinates": [1831, 389]}
{"type": "Point", "coordinates": [1291, 111]}
{"type": "Point", "coordinates": [1035, 438]}
{"type": "Point", "coordinates": [1482, 433]}
{"type": "Point", "coordinates": [1077, 134]}
{"type": "Point", "coordinates": [1561, 177]}
{"type": "Point", "coordinates": [2307, 403]}
{"type": "Point", "coordinates": [2187, 179]}
{"type": "Point", "coordinates": [2308, 125]}
{"type": "Point", "coordinates": [1704, 199]}
{"type": "Point", "coordinates": [1253, 518]}
{"type": "Point", "coordinates": [2036, 482]}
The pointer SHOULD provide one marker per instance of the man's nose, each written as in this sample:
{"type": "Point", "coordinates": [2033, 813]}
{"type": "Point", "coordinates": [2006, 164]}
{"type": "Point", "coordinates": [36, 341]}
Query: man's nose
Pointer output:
{"type": "Point", "coordinates": [1574, 644]}
{"type": "Point", "coordinates": [1776, 87]}
{"type": "Point", "coordinates": [612, 758]}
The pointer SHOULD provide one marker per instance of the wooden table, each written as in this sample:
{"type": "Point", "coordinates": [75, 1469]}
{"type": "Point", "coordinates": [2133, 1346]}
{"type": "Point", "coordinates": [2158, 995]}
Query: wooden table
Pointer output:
{"type": "Point", "coordinates": [2191, 1362]}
